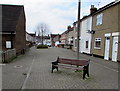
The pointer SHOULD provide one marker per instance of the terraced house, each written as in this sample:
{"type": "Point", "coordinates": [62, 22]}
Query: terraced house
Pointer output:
{"type": "Point", "coordinates": [106, 39]}
{"type": "Point", "coordinates": [13, 28]}
{"type": "Point", "coordinates": [74, 48]}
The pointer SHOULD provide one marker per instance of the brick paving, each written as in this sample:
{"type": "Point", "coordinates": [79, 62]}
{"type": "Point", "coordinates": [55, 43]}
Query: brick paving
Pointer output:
{"type": "Point", "coordinates": [37, 64]}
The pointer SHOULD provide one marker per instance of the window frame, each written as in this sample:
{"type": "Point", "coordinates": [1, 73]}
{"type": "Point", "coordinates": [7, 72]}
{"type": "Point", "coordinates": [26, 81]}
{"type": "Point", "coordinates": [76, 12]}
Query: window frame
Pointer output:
{"type": "Point", "coordinates": [87, 24]}
{"type": "Point", "coordinates": [97, 40]}
{"type": "Point", "coordinates": [99, 19]}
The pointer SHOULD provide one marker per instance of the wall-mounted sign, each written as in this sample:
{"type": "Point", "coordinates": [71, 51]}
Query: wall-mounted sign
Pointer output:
{"type": "Point", "coordinates": [8, 44]}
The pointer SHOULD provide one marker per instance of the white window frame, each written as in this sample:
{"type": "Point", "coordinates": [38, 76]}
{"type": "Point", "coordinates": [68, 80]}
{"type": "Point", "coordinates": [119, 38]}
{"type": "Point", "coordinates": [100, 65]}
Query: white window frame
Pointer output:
{"type": "Point", "coordinates": [99, 19]}
{"type": "Point", "coordinates": [96, 40]}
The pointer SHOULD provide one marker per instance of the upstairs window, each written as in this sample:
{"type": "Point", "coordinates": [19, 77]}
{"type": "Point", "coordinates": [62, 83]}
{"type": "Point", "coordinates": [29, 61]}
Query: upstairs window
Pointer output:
{"type": "Point", "coordinates": [99, 19]}
{"type": "Point", "coordinates": [87, 24]}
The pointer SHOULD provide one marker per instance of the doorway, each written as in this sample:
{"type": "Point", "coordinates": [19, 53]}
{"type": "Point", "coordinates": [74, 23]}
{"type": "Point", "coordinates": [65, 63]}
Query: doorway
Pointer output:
{"type": "Point", "coordinates": [107, 47]}
{"type": "Point", "coordinates": [115, 49]}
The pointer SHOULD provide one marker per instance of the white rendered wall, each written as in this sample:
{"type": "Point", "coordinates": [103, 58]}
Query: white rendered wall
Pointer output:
{"type": "Point", "coordinates": [84, 36]}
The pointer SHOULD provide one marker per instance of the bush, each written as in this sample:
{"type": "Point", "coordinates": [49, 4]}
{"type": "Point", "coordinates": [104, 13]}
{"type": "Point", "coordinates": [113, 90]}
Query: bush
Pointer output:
{"type": "Point", "coordinates": [42, 46]}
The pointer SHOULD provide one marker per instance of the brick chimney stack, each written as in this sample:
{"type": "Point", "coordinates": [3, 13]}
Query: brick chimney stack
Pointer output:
{"type": "Point", "coordinates": [69, 27]}
{"type": "Point", "coordinates": [93, 9]}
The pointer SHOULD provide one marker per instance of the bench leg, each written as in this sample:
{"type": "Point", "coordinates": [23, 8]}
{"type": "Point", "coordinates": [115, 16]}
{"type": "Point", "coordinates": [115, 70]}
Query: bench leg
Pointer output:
{"type": "Point", "coordinates": [57, 68]}
{"type": "Point", "coordinates": [53, 67]}
{"type": "Point", "coordinates": [52, 70]}
{"type": "Point", "coordinates": [87, 72]}
{"type": "Point", "coordinates": [84, 73]}
{"type": "Point", "coordinates": [77, 69]}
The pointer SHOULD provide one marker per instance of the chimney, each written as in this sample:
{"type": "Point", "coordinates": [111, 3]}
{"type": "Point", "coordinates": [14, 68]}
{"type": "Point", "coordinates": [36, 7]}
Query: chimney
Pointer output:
{"type": "Point", "coordinates": [69, 27]}
{"type": "Point", "coordinates": [93, 9]}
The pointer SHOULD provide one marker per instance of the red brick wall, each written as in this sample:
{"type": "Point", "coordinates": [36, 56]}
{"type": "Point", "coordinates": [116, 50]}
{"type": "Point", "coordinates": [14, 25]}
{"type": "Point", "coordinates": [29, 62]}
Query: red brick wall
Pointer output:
{"type": "Point", "coordinates": [20, 33]}
{"type": "Point", "coordinates": [7, 37]}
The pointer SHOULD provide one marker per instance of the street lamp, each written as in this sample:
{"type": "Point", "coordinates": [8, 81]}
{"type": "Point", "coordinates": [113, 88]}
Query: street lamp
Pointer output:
{"type": "Point", "coordinates": [78, 26]}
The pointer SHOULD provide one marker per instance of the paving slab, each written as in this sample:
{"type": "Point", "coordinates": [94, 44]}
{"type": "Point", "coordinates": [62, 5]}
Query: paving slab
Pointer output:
{"type": "Point", "coordinates": [34, 72]}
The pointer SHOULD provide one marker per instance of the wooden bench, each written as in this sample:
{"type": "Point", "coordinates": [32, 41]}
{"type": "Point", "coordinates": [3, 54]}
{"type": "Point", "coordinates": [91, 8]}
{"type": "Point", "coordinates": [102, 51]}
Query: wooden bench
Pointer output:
{"type": "Point", "coordinates": [72, 64]}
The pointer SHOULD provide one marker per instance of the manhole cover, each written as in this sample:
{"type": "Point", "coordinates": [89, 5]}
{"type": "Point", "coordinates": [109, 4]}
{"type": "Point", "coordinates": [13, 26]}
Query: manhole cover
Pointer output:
{"type": "Point", "coordinates": [24, 73]}
{"type": "Point", "coordinates": [18, 66]}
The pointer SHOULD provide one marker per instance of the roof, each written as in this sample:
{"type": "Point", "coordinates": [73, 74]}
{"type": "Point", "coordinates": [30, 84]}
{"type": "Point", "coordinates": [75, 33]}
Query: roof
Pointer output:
{"type": "Point", "coordinates": [53, 35]}
{"type": "Point", "coordinates": [67, 31]}
{"type": "Point", "coordinates": [45, 37]}
{"type": "Point", "coordinates": [31, 34]}
{"type": "Point", "coordinates": [10, 16]}
{"type": "Point", "coordinates": [107, 6]}
{"type": "Point", "coordinates": [102, 9]}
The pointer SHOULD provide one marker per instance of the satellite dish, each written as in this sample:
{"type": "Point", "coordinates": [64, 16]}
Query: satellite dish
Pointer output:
{"type": "Point", "coordinates": [88, 31]}
{"type": "Point", "coordinates": [91, 32]}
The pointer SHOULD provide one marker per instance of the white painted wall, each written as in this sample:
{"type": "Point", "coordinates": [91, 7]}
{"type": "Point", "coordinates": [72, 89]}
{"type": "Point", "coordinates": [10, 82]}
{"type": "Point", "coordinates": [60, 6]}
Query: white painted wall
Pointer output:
{"type": "Point", "coordinates": [30, 38]}
{"type": "Point", "coordinates": [46, 42]}
{"type": "Point", "coordinates": [86, 24]}
{"type": "Point", "coordinates": [56, 43]}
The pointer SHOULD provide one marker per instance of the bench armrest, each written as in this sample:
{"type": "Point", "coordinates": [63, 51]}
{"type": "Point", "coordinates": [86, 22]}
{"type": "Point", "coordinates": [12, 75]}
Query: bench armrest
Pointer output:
{"type": "Point", "coordinates": [54, 63]}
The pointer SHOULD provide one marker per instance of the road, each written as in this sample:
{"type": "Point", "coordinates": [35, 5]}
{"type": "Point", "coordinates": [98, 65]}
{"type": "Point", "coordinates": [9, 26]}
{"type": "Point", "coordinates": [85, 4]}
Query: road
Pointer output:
{"type": "Point", "coordinates": [33, 71]}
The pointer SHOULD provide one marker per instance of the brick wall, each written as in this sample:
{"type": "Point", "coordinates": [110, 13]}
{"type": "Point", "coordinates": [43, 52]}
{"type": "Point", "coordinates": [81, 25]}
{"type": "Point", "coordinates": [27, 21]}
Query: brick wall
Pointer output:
{"type": "Point", "coordinates": [8, 55]}
{"type": "Point", "coordinates": [8, 37]}
{"type": "Point", "coordinates": [20, 33]}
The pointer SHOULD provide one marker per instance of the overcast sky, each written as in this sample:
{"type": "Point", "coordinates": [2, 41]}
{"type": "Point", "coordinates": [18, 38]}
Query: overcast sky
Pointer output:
{"type": "Point", "coordinates": [58, 14]}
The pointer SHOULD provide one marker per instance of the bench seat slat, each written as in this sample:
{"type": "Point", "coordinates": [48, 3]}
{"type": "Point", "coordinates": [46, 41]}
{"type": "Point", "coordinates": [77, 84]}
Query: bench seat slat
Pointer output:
{"type": "Point", "coordinates": [69, 67]}
{"type": "Point", "coordinates": [73, 61]}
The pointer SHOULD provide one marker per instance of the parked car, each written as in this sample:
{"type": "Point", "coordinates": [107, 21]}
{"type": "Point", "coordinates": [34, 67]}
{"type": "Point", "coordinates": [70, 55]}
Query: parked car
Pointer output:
{"type": "Point", "coordinates": [48, 44]}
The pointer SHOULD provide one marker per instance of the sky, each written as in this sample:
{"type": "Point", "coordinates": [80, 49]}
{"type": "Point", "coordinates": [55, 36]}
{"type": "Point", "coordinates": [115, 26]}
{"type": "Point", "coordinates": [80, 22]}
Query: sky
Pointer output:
{"type": "Point", "coordinates": [57, 14]}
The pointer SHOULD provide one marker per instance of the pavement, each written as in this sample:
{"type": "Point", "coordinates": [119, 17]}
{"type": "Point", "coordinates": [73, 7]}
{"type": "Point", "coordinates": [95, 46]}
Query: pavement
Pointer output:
{"type": "Point", "coordinates": [33, 71]}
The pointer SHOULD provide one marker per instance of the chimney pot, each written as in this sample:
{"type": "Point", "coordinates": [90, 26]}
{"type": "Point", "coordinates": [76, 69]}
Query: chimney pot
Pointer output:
{"type": "Point", "coordinates": [93, 9]}
{"type": "Point", "coordinates": [69, 27]}
{"type": "Point", "coordinates": [92, 6]}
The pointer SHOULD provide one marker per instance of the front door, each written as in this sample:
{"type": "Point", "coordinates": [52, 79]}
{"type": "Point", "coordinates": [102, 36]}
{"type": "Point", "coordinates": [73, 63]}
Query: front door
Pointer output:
{"type": "Point", "coordinates": [115, 49]}
{"type": "Point", "coordinates": [107, 46]}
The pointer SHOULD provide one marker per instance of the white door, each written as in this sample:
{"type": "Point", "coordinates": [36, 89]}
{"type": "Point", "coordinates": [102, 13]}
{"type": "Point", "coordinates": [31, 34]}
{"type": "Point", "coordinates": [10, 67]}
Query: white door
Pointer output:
{"type": "Point", "coordinates": [115, 49]}
{"type": "Point", "coordinates": [107, 46]}
{"type": "Point", "coordinates": [81, 46]}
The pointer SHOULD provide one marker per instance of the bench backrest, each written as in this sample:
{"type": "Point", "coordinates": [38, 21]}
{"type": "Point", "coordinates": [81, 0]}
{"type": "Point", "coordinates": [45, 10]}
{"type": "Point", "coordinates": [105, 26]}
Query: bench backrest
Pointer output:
{"type": "Point", "coordinates": [73, 61]}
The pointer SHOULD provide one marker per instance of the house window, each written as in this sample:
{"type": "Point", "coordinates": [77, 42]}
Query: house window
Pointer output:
{"type": "Point", "coordinates": [87, 44]}
{"type": "Point", "coordinates": [87, 24]}
{"type": "Point", "coordinates": [75, 42]}
{"type": "Point", "coordinates": [71, 41]}
{"type": "Point", "coordinates": [99, 19]}
{"type": "Point", "coordinates": [8, 44]}
{"type": "Point", "coordinates": [97, 43]}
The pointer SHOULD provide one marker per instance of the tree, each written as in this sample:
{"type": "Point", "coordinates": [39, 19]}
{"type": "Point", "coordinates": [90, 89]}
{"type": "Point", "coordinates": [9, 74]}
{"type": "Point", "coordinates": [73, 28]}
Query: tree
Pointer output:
{"type": "Point", "coordinates": [42, 30]}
